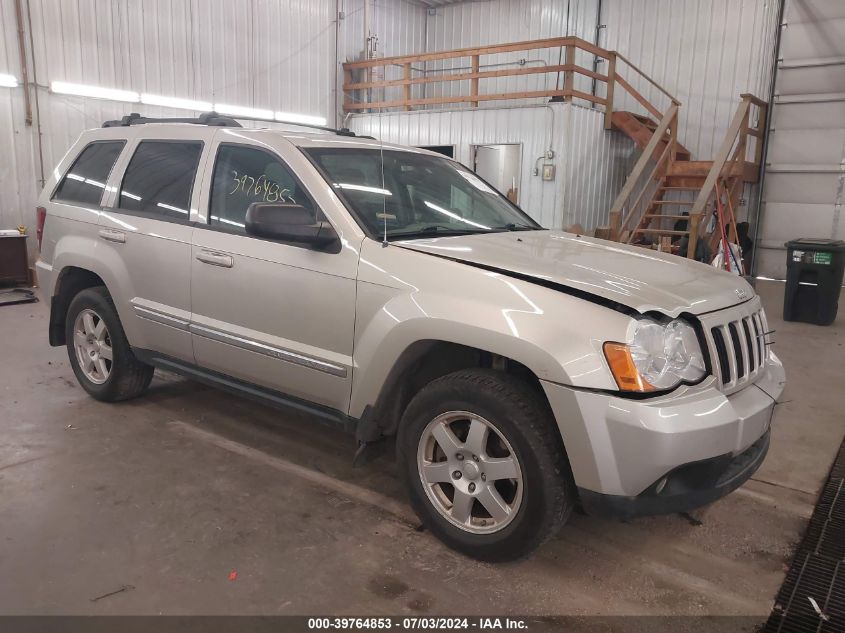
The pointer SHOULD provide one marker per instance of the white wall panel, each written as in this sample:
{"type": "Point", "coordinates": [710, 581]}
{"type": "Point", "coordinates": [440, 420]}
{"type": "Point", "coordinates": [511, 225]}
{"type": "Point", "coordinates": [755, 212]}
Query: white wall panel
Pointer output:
{"type": "Point", "coordinates": [399, 27]}
{"type": "Point", "coordinates": [705, 53]}
{"type": "Point", "coordinates": [17, 179]}
{"type": "Point", "coordinates": [591, 163]}
{"type": "Point", "coordinates": [501, 21]}
{"type": "Point", "coordinates": [805, 173]}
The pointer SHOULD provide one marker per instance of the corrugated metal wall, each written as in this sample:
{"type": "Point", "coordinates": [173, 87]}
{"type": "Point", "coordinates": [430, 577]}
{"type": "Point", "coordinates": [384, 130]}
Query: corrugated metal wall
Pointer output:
{"type": "Point", "coordinates": [591, 163]}
{"type": "Point", "coordinates": [283, 54]}
{"type": "Point", "coordinates": [399, 28]}
{"type": "Point", "coordinates": [276, 54]}
{"type": "Point", "coordinates": [804, 187]}
{"type": "Point", "coordinates": [17, 169]}
{"type": "Point", "coordinates": [501, 21]}
{"type": "Point", "coordinates": [704, 53]}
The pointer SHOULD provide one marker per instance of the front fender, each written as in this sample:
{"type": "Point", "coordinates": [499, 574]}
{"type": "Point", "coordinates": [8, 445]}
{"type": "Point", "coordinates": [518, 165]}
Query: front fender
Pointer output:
{"type": "Point", "coordinates": [557, 336]}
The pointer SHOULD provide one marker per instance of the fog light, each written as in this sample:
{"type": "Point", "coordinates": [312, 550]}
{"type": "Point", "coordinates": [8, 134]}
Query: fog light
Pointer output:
{"type": "Point", "coordinates": [660, 486]}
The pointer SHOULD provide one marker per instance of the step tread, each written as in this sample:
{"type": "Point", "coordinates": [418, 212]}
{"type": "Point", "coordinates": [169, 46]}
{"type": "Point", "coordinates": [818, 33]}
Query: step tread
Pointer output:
{"type": "Point", "coordinates": [674, 202]}
{"type": "Point", "coordinates": [661, 231]}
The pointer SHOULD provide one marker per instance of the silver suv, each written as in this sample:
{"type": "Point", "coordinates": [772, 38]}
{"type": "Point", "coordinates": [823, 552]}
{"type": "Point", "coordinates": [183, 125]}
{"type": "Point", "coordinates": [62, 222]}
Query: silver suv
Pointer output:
{"type": "Point", "coordinates": [390, 290]}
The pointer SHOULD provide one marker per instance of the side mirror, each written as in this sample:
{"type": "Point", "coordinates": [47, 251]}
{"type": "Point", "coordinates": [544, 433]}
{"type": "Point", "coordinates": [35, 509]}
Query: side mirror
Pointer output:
{"type": "Point", "coordinates": [288, 223]}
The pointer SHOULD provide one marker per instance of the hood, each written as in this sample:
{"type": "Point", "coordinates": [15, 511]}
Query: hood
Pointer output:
{"type": "Point", "coordinates": [635, 277]}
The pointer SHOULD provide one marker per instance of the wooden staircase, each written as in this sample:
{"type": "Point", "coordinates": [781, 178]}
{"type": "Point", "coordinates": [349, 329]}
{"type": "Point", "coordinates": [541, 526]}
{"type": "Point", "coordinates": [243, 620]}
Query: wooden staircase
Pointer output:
{"type": "Point", "coordinates": [640, 129]}
{"type": "Point", "coordinates": [669, 207]}
{"type": "Point", "coordinates": [668, 198]}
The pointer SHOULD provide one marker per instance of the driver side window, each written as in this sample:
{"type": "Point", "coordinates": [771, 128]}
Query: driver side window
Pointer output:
{"type": "Point", "coordinates": [243, 175]}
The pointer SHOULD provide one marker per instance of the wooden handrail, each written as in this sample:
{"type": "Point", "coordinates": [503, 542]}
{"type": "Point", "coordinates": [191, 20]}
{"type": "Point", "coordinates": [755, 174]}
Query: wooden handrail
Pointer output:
{"type": "Point", "coordinates": [738, 129]}
{"type": "Point", "coordinates": [646, 77]}
{"type": "Point", "coordinates": [651, 177]}
{"type": "Point", "coordinates": [569, 69]}
{"type": "Point", "coordinates": [472, 98]}
{"type": "Point", "coordinates": [641, 164]}
{"type": "Point", "coordinates": [637, 96]}
{"type": "Point", "coordinates": [484, 74]}
{"type": "Point", "coordinates": [490, 49]}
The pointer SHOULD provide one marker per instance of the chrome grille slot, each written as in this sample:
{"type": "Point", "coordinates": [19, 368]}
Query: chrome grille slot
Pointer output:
{"type": "Point", "coordinates": [739, 353]}
{"type": "Point", "coordinates": [736, 344]}
{"type": "Point", "coordinates": [721, 354]}
{"type": "Point", "coordinates": [753, 361]}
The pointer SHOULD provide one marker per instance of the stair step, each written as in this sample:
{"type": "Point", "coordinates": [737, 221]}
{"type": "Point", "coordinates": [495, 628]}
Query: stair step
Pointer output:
{"type": "Point", "coordinates": [661, 231]}
{"type": "Point", "coordinates": [673, 202]}
{"type": "Point", "coordinates": [691, 168]}
{"type": "Point", "coordinates": [680, 188]}
{"type": "Point", "coordinates": [666, 217]}
{"type": "Point", "coordinates": [640, 129]}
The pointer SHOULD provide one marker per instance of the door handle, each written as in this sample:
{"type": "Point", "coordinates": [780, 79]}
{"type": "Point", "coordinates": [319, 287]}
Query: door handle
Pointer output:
{"type": "Point", "coordinates": [111, 235]}
{"type": "Point", "coordinates": [216, 259]}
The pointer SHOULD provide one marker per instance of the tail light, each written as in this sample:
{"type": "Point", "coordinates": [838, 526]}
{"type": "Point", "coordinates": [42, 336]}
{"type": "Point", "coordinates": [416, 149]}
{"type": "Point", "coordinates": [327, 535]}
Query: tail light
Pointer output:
{"type": "Point", "coordinates": [40, 218]}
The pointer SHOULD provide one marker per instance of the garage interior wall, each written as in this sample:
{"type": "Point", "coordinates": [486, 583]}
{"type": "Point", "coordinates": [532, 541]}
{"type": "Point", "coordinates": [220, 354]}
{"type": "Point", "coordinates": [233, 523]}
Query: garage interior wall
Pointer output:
{"type": "Point", "coordinates": [285, 55]}
{"type": "Point", "coordinates": [591, 164]}
{"type": "Point", "coordinates": [804, 184]}
{"type": "Point", "coordinates": [705, 53]}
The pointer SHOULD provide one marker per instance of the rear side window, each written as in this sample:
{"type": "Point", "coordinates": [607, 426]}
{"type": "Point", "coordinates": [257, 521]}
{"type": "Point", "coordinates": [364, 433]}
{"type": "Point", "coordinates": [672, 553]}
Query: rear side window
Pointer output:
{"type": "Point", "coordinates": [86, 180]}
{"type": "Point", "coordinates": [243, 175]}
{"type": "Point", "coordinates": [160, 178]}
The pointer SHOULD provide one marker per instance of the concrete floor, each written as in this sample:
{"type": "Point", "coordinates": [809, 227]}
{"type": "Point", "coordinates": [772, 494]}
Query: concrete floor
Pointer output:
{"type": "Point", "coordinates": [168, 494]}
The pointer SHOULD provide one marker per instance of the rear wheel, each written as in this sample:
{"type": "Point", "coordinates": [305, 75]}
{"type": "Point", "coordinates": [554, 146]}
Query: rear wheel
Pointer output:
{"type": "Point", "coordinates": [485, 465]}
{"type": "Point", "coordinates": [98, 350]}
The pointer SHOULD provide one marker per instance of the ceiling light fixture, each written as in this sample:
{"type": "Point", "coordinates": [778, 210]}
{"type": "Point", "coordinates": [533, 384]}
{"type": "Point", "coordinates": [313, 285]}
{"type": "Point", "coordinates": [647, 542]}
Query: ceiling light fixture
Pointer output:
{"type": "Point", "coordinates": [307, 119]}
{"type": "Point", "coordinates": [175, 102]}
{"type": "Point", "coordinates": [8, 81]}
{"type": "Point", "coordinates": [95, 92]}
{"type": "Point", "coordinates": [241, 111]}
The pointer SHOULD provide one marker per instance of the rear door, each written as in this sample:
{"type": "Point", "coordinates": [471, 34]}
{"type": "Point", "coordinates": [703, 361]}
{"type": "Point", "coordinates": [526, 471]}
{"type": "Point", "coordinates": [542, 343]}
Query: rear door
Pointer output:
{"type": "Point", "coordinates": [146, 233]}
{"type": "Point", "coordinates": [275, 314]}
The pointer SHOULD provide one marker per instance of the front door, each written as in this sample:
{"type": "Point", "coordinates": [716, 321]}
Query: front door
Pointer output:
{"type": "Point", "coordinates": [274, 314]}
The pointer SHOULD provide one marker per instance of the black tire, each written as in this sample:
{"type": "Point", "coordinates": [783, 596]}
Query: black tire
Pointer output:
{"type": "Point", "coordinates": [523, 417]}
{"type": "Point", "coordinates": [128, 377]}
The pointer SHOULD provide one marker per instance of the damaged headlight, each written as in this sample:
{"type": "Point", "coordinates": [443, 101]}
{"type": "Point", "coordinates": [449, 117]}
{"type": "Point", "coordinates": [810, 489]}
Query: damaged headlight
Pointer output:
{"type": "Point", "coordinates": [657, 357]}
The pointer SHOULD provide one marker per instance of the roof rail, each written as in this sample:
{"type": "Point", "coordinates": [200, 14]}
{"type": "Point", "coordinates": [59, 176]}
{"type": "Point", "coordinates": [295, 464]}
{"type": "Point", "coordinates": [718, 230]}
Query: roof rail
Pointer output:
{"type": "Point", "coordinates": [213, 118]}
{"type": "Point", "coordinates": [207, 118]}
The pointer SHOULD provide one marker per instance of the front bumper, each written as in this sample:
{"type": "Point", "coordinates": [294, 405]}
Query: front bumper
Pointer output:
{"type": "Point", "coordinates": [685, 488]}
{"type": "Point", "coordinates": [670, 453]}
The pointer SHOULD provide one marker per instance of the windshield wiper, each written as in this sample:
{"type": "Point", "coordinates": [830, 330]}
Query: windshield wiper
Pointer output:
{"type": "Point", "coordinates": [516, 227]}
{"type": "Point", "coordinates": [435, 229]}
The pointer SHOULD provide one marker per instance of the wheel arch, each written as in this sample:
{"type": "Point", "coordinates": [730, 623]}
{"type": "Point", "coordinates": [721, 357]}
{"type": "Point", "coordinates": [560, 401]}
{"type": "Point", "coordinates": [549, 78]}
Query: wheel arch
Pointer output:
{"type": "Point", "coordinates": [70, 281]}
{"type": "Point", "coordinates": [419, 364]}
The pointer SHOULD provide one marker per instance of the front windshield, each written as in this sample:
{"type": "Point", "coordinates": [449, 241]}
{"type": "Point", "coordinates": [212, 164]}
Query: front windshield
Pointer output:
{"type": "Point", "coordinates": [416, 195]}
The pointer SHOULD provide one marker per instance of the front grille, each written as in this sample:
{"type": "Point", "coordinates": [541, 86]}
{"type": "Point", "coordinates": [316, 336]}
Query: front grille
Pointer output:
{"type": "Point", "coordinates": [817, 571]}
{"type": "Point", "coordinates": [736, 341]}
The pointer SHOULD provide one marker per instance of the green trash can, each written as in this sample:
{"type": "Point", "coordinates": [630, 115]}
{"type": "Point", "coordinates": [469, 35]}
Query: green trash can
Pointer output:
{"type": "Point", "coordinates": [814, 269]}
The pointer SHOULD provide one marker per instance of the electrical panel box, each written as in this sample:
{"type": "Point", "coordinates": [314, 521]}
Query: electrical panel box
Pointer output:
{"type": "Point", "coordinates": [548, 172]}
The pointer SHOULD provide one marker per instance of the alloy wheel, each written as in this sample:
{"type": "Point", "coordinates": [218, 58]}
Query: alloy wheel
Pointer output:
{"type": "Point", "coordinates": [92, 343]}
{"type": "Point", "coordinates": [470, 472]}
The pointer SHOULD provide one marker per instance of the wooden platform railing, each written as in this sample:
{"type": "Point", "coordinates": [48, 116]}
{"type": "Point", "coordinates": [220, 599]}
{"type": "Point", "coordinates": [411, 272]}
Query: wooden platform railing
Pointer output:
{"type": "Point", "coordinates": [362, 93]}
{"type": "Point", "coordinates": [731, 163]}
{"type": "Point", "coordinates": [626, 207]}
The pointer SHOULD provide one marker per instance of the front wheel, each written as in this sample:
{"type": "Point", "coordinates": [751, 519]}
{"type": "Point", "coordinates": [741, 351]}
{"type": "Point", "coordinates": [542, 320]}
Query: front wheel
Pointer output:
{"type": "Point", "coordinates": [98, 350]}
{"type": "Point", "coordinates": [485, 464]}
